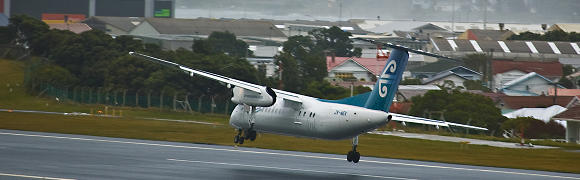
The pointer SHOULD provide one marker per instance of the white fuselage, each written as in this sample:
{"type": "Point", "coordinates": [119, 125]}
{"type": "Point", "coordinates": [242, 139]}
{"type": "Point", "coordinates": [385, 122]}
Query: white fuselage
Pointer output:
{"type": "Point", "coordinates": [313, 119]}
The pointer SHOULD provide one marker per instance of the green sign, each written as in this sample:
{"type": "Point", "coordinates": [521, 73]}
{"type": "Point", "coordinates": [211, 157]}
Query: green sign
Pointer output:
{"type": "Point", "coordinates": [163, 13]}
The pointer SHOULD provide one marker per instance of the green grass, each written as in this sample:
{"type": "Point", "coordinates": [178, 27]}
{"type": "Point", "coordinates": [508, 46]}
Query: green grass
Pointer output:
{"type": "Point", "coordinates": [132, 125]}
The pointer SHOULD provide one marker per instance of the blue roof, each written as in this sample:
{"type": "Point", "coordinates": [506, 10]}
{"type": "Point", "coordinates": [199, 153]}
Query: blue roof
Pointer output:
{"type": "Point", "coordinates": [4, 20]}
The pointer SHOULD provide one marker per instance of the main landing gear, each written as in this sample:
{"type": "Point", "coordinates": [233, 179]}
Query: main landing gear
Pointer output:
{"type": "Point", "coordinates": [353, 156]}
{"type": "Point", "coordinates": [245, 135]}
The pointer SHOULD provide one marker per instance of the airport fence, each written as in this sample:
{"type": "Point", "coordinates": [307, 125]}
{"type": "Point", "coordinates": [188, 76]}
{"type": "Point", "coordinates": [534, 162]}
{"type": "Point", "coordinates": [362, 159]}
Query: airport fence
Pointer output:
{"type": "Point", "coordinates": [143, 98]}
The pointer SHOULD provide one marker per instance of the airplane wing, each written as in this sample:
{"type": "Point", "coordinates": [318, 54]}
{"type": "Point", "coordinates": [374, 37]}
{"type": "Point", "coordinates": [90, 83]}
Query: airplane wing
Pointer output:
{"type": "Point", "coordinates": [229, 82]}
{"type": "Point", "coordinates": [420, 120]}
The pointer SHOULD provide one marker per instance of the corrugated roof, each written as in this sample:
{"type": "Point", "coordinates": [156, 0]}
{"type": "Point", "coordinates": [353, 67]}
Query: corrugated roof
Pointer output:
{"type": "Point", "coordinates": [205, 26]}
{"type": "Point", "coordinates": [435, 67]}
{"type": "Point", "coordinates": [547, 69]}
{"type": "Point", "coordinates": [542, 47]}
{"type": "Point", "coordinates": [564, 92]}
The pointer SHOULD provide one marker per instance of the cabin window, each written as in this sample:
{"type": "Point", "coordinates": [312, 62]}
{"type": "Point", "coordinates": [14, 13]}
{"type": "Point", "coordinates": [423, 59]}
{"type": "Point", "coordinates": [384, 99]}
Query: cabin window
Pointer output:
{"type": "Point", "coordinates": [314, 114]}
{"type": "Point", "coordinates": [304, 113]}
{"type": "Point", "coordinates": [310, 115]}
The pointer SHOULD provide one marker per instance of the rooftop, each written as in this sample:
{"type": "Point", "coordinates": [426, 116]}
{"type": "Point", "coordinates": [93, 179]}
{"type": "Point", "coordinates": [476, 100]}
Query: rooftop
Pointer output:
{"type": "Point", "coordinates": [205, 26]}
{"type": "Point", "coordinates": [372, 64]}
{"type": "Point", "coordinates": [518, 102]}
{"type": "Point", "coordinates": [548, 69]}
{"type": "Point", "coordinates": [74, 27]}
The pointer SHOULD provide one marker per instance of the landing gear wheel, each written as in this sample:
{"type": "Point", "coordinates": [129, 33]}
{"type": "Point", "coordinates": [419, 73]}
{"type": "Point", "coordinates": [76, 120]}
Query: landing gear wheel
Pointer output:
{"type": "Point", "coordinates": [252, 135]}
{"type": "Point", "coordinates": [349, 157]}
{"type": "Point", "coordinates": [356, 157]}
{"type": "Point", "coordinates": [236, 139]}
{"type": "Point", "coordinates": [241, 141]}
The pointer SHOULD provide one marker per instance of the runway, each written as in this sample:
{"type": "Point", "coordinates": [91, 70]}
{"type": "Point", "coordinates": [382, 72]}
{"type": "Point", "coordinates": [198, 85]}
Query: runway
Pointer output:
{"type": "Point", "coordinates": [34, 155]}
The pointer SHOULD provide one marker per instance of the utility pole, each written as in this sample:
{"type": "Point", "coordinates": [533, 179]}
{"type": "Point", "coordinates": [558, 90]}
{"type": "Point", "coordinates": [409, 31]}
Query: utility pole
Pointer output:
{"type": "Point", "coordinates": [484, 14]}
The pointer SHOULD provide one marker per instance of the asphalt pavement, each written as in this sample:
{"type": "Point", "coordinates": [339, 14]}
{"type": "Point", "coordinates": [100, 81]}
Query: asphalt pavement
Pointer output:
{"type": "Point", "coordinates": [34, 155]}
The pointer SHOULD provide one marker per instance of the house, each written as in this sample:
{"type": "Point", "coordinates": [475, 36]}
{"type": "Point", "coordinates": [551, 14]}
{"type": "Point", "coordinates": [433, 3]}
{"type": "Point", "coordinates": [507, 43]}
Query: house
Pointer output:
{"type": "Point", "coordinates": [488, 35]}
{"type": "Point", "coordinates": [544, 114]}
{"type": "Point", "coordinates": [431, 69]}
{"type": "Point", "coordinates": [114, 25]}
{"type": "Point", "coordinates": [457, 75]}
{"type": "Point", "coordinates": [511, 103]}
{"type": "Point", "coordinates": [531, 84]}
{"type": "Point", "coordinates": [505, 71]}
{"type": "Point", "coordinates": [565, 27]}
{"type": "Point", "coordinates": [572, 118]}
{"type": "Point", "coordinates": [353, 68]}
{"type": "Point", "coordinates": [74, 27]}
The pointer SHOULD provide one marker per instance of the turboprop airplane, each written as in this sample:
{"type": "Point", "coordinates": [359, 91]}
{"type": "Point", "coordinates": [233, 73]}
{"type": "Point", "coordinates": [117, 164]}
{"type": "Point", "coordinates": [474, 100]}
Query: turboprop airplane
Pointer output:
{"type": "Point", "coordinates": [264, 109]}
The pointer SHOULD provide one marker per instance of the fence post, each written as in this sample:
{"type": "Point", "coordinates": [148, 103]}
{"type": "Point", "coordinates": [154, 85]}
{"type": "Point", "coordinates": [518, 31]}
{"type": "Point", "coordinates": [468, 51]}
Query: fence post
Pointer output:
{"type": "Point", "coordinates": [90, 95]}
{"type": "Point", "coordinates": [149, 99]}
{"type": "Point", "coordinates": [115, 99]}
{"type": "Point", "coordinates": [199, 103]}
{"type": "Point", "coordinates": [175, 101]}
{"type": "Point", "coordinates": [99, 94]}
{"type": "Point", "coordinates": [212, 103]}
{"type": "Point", "coordinates": [137, 98]}
{"type": "Point", "coordinates": [124, 96]}
{"type": "Point", "coordinates": [161, 100]}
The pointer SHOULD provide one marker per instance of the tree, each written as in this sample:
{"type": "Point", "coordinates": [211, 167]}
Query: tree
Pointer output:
{"type": "Point", "coordinates": [475, 85]}
{"type": "Point", "coordinates": [534, 128]}
{"type": "Point", "coordinates": [222, 42]}
{"type": "Point", "coordinates": [567, 70]}
{"type": "Point", "coordinates": [459, 107]}
{"type": "Point", "coordinates": [567, 83]}
{"type": "Point", "coordinates": [301, 63]}
{"type": "Point", "coordinates": [325, 90]}
{"type": "Point", "coordinates": [336, 40]}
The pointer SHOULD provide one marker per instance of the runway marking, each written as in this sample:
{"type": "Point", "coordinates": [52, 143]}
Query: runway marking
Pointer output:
{"type": "Point", "coordinates": [293, 155]}
{"type": "Point", "coordinates": [288, 169]}
{"type": "Point", "coordinates": [32, 177]}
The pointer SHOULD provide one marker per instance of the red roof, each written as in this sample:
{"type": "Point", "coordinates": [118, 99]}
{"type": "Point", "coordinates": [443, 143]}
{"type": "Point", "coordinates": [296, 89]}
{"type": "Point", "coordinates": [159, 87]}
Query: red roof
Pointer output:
{"type": "Point", "coordinates": [372, 64]}
{"type": "Point", "coordinates": [548, 69]}
{"type": "Point", "coordinates": [570, 113]}
{"type": "Point", "coordinates": [517, 102]}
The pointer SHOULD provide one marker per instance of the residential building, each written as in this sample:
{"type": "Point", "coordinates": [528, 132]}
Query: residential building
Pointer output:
{"type": "Point", "coordinates": [566, 27]}
{"type": "Point", "coordinates": [457, 75]}
{"type": "Point", "coordinates": [353, 68]}
{"type": "Point", "coordinates": [74, 27]}
{"type": "Point", "coordinates": [531, 84]}
{"type": "Point", "coordinates": [504, 71]}
{"type": "Point", "coordinates": [511, 103]}
{"type": "Point", "coordinates": [572, 118]}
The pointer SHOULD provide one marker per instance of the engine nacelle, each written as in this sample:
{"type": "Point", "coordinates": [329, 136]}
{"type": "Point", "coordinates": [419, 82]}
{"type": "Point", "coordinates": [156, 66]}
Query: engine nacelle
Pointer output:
{"type": "Point", "coordinates": [266, 98]}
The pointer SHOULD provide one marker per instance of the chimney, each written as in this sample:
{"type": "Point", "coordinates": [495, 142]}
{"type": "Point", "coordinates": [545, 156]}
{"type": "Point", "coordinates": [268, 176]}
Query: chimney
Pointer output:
{"type": "Point", "coordinates": [333, 56]}
{"type": "Point", "coordinates": [544, 26]}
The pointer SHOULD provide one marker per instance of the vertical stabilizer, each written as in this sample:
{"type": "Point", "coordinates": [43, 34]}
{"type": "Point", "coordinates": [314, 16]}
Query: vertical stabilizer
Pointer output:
{"type": "Point", "coordinates": [388, 81]}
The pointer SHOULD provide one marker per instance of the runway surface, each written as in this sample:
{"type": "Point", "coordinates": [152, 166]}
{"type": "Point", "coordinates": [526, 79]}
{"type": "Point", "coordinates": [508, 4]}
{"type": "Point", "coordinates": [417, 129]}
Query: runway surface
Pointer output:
{"type": "Point", "coordinates": [34, 155]}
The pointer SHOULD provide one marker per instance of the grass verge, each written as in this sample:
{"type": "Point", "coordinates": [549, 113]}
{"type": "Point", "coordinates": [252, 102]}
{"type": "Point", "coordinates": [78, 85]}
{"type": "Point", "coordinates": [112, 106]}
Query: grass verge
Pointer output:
{"type": "Point", "coordinates": [370, 145]}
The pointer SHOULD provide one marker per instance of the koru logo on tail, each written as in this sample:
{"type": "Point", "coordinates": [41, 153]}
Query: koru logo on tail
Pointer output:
{"type": "Point", "coordinates": [388, 74]}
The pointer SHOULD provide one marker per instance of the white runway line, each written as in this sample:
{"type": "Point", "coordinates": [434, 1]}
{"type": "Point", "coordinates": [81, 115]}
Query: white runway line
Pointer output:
{"type": "Point", "coordinates": [32, 177]}
{"type": "Point", "coordinates": [293, 155]}
{"type": "Point", "coordinates": [288, 169]}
